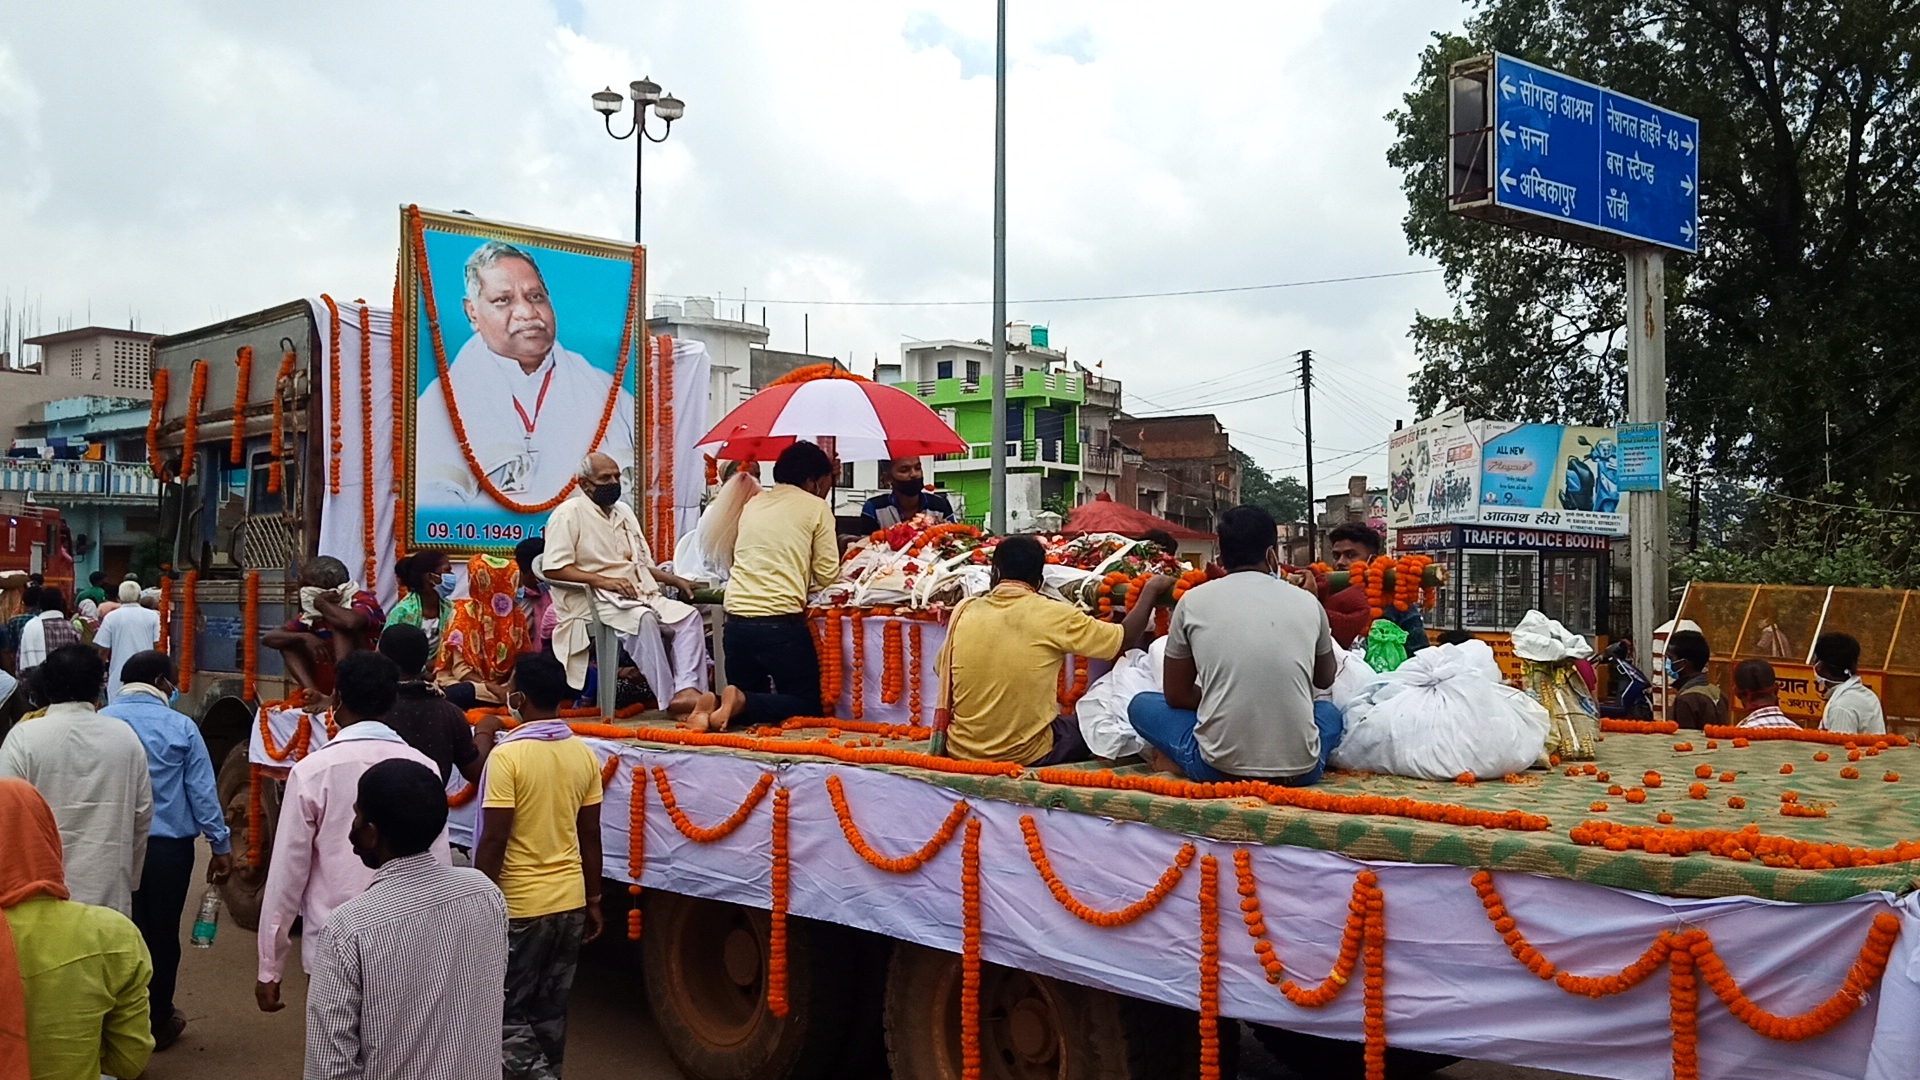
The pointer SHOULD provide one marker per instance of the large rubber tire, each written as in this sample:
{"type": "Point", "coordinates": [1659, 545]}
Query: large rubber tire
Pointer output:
{"type": "Point", "coordinates": [1336, 1059]}
{"type": "Point", "coordinates": [1033, 1027]}
{"type": "Point", "coordinates": [244, 889]}
{"type": "Point", "coordinates": [705, 964]}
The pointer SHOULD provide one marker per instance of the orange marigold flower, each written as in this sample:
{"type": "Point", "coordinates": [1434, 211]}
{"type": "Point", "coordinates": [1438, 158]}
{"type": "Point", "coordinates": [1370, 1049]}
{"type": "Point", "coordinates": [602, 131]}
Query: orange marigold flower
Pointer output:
{"type": "Point", "coordinates": [1636, 796]}
{"type": "Point", "coordinates": [1853, 755]}
{"type": "Point", "coordinates": [1849, 773]}
{"type": "Point", "coordinates": [1821, 755]}
{"type": "Point", "coordinates": [1698, 791]}
{"type": "Point", "coordinates": [1891, 777]}
{"type": "Point", "coordinates": [1598, 808]}
{"type": "Point", "coordinates": [1737, 803]}
{"type": "Point", "coordinates": [1726, 777]}
{"type": "Point", "coordinates": [1664, 819]}
{"type": "Point", "coordinates": [1703, 771]}
{"type": "Point", "coordinates": [1650, 778]}
{"type": "Point", "coordinates": [1786, 769]}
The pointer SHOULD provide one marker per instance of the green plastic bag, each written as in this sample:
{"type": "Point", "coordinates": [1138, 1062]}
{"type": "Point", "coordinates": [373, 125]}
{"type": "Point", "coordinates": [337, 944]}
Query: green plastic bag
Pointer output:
{"type": "Point", "coordinates": [1386, 646]}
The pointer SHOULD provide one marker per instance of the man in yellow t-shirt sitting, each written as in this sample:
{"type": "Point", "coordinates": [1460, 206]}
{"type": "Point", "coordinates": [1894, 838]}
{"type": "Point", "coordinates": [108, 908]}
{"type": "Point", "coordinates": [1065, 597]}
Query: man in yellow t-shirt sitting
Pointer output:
{"type": "Point", "coordinates": [539, 840]}
{"type": "Point", "coordinates": [1003, 656]}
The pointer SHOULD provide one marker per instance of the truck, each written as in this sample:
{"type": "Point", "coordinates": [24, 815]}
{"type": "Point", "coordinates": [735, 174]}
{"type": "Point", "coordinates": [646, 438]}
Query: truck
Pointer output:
{"type": "Point", "coordinates": [38, 542]}
{"type": "Point", "coordinates": [826, 899]}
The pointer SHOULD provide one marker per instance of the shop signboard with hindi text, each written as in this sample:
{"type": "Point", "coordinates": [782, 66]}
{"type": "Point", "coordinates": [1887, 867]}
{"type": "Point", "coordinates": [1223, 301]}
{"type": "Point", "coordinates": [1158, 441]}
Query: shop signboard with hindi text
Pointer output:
{"type": "Point", "coordinates": [1551, 476]}
{"type": "Point", "coordinates": [1800, 696]}
{"type": "Point", "coordinates": [520, 356]}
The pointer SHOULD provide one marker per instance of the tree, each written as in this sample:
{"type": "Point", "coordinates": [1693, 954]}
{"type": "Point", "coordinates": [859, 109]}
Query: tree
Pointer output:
{"type": "Point", "coordinates": [1798, 311]}
{"type": "Point", "coordinates": [1285, 498]}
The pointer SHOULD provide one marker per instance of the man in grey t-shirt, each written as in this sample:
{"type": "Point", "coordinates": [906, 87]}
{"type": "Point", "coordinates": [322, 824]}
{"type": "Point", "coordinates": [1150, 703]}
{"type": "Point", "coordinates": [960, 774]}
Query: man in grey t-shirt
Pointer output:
{"type": "Point", "coordinates": [1244, 656]}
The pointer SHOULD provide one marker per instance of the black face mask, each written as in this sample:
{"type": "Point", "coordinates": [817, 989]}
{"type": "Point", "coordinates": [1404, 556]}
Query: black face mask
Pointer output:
{"type": "Point", "coordinates": [908, 489]}
{"type": "Point", "coordinates": [604, 495]}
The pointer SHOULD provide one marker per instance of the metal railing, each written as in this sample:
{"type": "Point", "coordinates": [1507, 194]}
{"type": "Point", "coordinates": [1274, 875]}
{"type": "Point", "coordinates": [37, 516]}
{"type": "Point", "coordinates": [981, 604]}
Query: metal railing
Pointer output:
{"type": "Point", "coordinates": [112, 479]}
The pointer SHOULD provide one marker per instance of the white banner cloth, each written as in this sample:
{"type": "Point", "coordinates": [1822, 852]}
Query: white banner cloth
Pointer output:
{"type": "Point", "coordinates": [1451, 985]}
{"type": "Point", "coordinates": [341, 515]}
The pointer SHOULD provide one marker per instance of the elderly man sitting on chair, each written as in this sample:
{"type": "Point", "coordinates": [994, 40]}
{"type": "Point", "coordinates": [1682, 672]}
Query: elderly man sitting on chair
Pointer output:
{"type": "Point", "coordinates": [594, 540]}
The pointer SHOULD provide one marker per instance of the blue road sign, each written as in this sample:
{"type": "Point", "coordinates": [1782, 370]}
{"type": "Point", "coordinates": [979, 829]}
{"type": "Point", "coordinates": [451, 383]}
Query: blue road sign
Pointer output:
{"type": "Point", "coordinates": [1580, 153]}
{"type": "Point", "coordinates": [1642, 460]}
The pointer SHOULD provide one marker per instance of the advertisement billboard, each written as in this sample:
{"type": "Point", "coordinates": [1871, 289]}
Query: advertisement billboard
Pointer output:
{"type": "Point", "coordinates": [1550, 476]}
{"type": "Point", "coordinates": [518, 358]}
{"type": "Point", "coordinates": [1433, 472]}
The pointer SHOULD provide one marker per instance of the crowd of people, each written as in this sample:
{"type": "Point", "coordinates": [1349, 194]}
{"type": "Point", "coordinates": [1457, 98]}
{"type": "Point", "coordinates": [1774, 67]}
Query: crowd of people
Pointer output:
{"type": "Point", "coordinates": [430, 960]}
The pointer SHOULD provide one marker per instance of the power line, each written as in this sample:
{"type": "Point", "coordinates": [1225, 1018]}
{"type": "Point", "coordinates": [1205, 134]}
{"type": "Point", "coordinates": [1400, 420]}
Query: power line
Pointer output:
{"type": "Point", "coordinates": [1066, 299]}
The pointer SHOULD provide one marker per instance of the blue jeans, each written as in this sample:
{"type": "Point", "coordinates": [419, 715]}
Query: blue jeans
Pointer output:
{"type": "Point", "coordinates": [1170, 731]}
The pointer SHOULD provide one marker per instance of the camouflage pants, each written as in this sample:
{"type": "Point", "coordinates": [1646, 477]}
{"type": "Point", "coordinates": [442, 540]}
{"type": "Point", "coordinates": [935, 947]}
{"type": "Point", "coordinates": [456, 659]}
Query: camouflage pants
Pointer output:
{"type": "Point", "coordinates": [542, 954]}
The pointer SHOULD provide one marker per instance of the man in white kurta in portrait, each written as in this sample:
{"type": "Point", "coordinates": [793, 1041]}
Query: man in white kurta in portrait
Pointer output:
{"type": "Point", "coordinates": [528, 405]}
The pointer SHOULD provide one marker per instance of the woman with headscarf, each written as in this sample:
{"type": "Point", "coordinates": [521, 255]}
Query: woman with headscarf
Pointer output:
{"type": "Point", "coordinates": [73, 977]}
{"type": "Point", "coordinates": [484, 635]}
{"type": "Point", "coordinates": [428, 576]}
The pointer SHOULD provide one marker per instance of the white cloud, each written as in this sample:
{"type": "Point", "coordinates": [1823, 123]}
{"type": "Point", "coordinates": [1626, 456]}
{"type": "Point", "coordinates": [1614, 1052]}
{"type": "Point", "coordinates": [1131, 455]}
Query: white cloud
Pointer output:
{"type": "Point", "coordinates": [197, 160]}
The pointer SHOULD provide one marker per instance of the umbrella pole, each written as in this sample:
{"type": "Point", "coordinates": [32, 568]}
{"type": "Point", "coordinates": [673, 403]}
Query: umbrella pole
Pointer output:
{"type": "Point", "coordinates": [997, 366]}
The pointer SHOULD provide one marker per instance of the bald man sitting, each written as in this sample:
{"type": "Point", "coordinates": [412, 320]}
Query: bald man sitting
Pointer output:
{"type": "Point", "coordinates": [594, 539]}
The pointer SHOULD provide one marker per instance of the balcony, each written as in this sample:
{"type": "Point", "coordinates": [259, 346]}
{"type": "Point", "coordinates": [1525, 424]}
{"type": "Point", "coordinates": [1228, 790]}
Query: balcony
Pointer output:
{"type": "Point", "coordinates": [1052, 453]}
{"type": "Point", "coordinates": [1105, 461]}
{"type": "Point", "coordinates": [1063, 385]}
{"type": "Point", "coordinates": [66, 481]}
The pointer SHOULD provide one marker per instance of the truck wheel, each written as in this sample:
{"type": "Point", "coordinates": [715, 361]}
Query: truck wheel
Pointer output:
{"type": "Point", "coordinates": [1337, 1059]}
{"type": "Point", "coordinates": [244, 888]}
{"type": "Point", "coordinates": [706, 963]}
{"type": "Point", "coordinates": [1033, 1027]}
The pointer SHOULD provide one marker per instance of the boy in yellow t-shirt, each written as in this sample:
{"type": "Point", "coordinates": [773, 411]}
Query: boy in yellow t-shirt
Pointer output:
{"type": "Point", "coordinates": [1003, 656]}
{"type": "Point", "coordinates": [540, 842]}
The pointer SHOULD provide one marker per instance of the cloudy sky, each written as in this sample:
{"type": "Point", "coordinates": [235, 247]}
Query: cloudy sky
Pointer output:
{"type": "Point", "coordinates": [178, 162]}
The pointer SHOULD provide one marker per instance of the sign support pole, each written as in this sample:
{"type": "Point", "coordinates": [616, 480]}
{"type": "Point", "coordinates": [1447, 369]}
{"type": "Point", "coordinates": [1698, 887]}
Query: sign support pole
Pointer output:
{"type": "Point", "coordinates": [997, 361]}
{"type": "Point", "coordinates": [1649, 555]}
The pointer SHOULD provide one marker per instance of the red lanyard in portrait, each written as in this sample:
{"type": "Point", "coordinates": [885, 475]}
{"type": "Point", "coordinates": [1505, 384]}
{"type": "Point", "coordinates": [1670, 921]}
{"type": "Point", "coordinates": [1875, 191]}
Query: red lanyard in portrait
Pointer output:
{"type": "Point", "coordinates": [538, 404]}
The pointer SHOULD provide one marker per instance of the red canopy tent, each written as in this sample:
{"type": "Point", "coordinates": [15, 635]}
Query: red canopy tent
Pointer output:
{"type": "Point", "coordinates": [1105, 515]}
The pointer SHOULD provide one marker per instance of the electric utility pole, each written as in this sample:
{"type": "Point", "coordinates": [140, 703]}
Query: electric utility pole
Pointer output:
{"type": "Point", "coordinates": [1306, 414]}
{"type": "Point", "coordinates": [997, 365]}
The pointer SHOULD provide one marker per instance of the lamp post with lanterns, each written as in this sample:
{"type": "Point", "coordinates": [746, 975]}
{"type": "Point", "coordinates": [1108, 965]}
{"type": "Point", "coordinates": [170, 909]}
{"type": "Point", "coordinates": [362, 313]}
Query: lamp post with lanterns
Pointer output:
{"type": "Point", "coordinates": [646, 94]}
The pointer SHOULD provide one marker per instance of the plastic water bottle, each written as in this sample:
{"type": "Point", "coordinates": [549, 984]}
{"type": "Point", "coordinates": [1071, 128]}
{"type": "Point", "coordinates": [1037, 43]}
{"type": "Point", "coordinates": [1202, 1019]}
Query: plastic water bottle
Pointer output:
{"type": "Point", "coordinates": [208, 921]}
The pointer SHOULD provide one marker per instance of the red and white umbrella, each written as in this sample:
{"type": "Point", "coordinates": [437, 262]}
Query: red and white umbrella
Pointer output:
{"type": "Point", "coordinates": [866, 421]}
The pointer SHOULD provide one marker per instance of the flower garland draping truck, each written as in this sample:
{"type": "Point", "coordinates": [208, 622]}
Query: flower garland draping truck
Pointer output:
{"type": "Point", "coordinates": [371, 566]}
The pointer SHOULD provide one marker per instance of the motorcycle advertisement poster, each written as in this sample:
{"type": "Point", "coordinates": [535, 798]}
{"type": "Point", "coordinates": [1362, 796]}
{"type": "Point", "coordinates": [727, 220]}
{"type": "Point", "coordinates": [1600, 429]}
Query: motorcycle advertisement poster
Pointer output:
{"type": "Point", "coordinates": [1551, 476]}
{"type": "Point", "coordinates": [1435, 472]}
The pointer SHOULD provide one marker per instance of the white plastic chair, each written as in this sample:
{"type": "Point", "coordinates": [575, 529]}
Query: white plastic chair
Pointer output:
{"type": "Point", "coordinates": [606, 644]}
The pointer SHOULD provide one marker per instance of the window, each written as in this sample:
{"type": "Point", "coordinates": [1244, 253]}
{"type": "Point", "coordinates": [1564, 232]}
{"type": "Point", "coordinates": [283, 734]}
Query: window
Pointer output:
{"type": "Point", "coordinates": [1016, 421]}
{"type": "Point", "coordinates": [973, 371]}
{"type": "Point", "coordinates": [1570, 585]}
{"type": "Point", "coordinates": [846, 474]}
{"type": "Point", "coordinates": [1498, 588]}
{"type": "Point", "coordinates": [131, 365]}
{"type": "Point", "coordinates": [264, 501]}
{"type": "Point", "coordinates": [943, 370]}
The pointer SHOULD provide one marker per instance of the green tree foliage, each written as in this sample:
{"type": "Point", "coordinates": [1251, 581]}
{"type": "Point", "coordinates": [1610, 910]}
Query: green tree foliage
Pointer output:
{"type": "Point", "coordinates": [1801, 305]}
{"type": "Point", "coordinates": [1283, 497]}
{"type": "Point", "coordinates": [1834, 538]}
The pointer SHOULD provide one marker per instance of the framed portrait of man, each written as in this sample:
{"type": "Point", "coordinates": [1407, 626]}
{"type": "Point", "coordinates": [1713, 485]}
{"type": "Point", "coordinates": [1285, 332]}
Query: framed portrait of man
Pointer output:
{"type": "Point", "coordinates": [520, 355]}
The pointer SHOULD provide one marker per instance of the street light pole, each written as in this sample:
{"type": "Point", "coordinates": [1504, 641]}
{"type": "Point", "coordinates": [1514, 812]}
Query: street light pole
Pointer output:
{"type": "Point", "coordinates": [997, 364]}
{"type": "Point", "coordinates": [646, 93]}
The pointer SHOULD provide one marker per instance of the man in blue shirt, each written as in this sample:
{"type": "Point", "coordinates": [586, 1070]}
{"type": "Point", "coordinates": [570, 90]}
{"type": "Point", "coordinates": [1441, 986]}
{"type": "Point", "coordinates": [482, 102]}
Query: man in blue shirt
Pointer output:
{"type": "Point", "coordinates": [185, 805]}
{"type": "Point", "coordinates": [908, 498]}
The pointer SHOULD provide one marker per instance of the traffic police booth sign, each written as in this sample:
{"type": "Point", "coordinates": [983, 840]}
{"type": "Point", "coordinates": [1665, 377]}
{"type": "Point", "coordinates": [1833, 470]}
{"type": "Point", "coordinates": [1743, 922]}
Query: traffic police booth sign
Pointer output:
{"type": "Point", "coordinates": [1542, 151]}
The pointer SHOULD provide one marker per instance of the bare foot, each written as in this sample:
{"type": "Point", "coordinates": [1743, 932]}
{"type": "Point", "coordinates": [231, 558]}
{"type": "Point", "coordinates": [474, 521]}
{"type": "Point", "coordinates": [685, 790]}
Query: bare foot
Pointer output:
{"type": "Point", "coordinates": [685, 701]}
{"type": "Point", "coordinates": [701, 716]}
{"type": "Point", "coordinates": [733, 702]}
{"type": "Point", "coordinates": [1162, 763]}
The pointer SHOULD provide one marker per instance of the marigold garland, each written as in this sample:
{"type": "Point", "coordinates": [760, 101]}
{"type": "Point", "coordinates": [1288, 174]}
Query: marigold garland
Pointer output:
{"type": "Point", "coordinates": [158, 413]}
{"type": "Point", "coordinates": [864, 727]}
{"type": "Point", "coordinates": [1617, 726]}
{"type": "Point", "coordinates": [372, 563]}
{"type": "Point", "coordinates": [824, 748]}
{"type": "Point", "coordinates": [636, 844]}
{"type": "Point", "coordinates": [832, 653]}
{"type": "Point", "coordinates": [664, 524]}
{"type": "Point", "coordinates": [1866, 970]}
{"type": "Point", "coordinates": [166, 607]}
{"type": "Point", "coordinates": [904, 864]}
{"type": "Point", "coordinates": [250, 637]}
{"type": "Point", "coordinates": [1351, 939]}
{"type": "Point", "coordinates": [816, 371]}
{"type": "Point", "coordinates": [1830, 738]}
{"type": "Point", "coordinates": [1373, 985]}
{"type": "Point", "coordinates": [189, 611]}
{"type": "Point", "coordinates": [275, 458]}
{"type": "Point", "coordinates": [396, 337]}
{"type": "Point", "coordinates": [1745, 845]}
{"type": "Point", "coordinates": [464, 796]}
{"type": "Point", "coordinates": [333, 394]}
{"type": "Point", "coordinates": [933, 535]}
{"type": "Point", "coordinates": [1209, 968]}
{"type": "Point", "coordinates": [777, 926]}
{"type": "Point", "coordinates": [709, 834]}
{"type": "Point", "coordinates": [418, 230]}
{"type": "Point", "coordinates": [190, 432]}
{"type": "Point", "coordinates": [970, 952]}
{"type": "Point", "coordinates": [1070, 693]}
{"type": "Point", "coordinates": [1168, 879]}
{"type": "Point", "coordinates": [893, 680]}
{"type": "Point", "coordinates": [1683, 997]}
{"type": "Point", "coordinates": [857, 704]}
{"type": "Point", "coordinates": [256, 813]}
{"type": "Point", "coordinates": [243, 362]}
{"type": "Point", "coordinates": [913, 678]}
{"type": "Point", "coordinates": [1300, 798]}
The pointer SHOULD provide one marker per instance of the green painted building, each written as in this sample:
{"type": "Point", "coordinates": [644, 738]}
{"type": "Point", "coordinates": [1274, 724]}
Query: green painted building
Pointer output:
{"type": "Point", "coordinates": [1043, 420]}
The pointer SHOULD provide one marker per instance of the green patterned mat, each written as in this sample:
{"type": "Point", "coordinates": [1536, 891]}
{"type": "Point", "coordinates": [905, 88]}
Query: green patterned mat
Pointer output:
{"type": "Point", "coordinates": [1867, 812]}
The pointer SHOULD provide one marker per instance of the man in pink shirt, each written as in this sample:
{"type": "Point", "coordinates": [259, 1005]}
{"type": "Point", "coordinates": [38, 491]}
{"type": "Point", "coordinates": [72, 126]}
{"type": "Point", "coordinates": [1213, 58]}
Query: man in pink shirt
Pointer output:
{"type": "Point", "coordinates": [315, 868]}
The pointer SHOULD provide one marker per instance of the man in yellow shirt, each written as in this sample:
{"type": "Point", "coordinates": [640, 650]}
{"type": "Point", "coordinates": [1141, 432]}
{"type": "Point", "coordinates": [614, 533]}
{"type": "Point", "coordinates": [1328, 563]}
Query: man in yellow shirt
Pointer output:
{"type": "Point", "coordinates": [1002, 661]}
{"type": "Point", "coordinates": [539, 840]}
{"type": "Point", "coordinates": [786, 550]}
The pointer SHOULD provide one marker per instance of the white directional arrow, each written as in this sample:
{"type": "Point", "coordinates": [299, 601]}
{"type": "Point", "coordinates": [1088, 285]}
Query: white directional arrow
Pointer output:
{"type": "Point", "coordinates": [1506, 179]}
{"type": "Point", "coordinates": [1686, 143]}
{"type": "Point", "coordinates": [1686, 184]}
{"type": "Point", "coordinates": [1506, 132]}
{"type": "Point", "coordinates": [1686, 229]}
{"type": "Point", "coordinates": [1506, 87]}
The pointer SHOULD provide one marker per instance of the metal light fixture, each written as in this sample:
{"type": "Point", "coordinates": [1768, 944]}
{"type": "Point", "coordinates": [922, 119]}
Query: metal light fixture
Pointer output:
{"type": "Point", "coordinates": [645, 93]}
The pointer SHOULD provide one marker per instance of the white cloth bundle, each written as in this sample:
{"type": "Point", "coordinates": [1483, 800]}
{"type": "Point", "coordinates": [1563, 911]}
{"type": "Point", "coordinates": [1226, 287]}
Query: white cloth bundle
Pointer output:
{"type": "Point", "coordinates": [1102, 711]}
{"type": "Point", "coordinates": [1443, 713]}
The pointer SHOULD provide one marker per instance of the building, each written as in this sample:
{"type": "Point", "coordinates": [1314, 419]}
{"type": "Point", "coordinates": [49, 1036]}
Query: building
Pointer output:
{"type": "Point", "coordinates": [1359, 503]}
{"type": "Point", "coordinates": [1101, 457]}
{"type": "Point", "coordinates": [92, 360]}
{"type": "Point", "coordinates": [1187, 472]}
{"type": "Point", "coordinates": [1043, 421]}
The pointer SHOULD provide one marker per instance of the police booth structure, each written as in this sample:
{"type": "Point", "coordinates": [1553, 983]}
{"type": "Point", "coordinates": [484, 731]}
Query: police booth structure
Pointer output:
{"type": "Point", "coordinates": [1495, 574]}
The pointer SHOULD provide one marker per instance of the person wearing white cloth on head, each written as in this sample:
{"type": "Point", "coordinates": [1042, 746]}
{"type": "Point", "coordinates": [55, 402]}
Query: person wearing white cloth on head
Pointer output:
{"type": "Point", "coordinates": [529, 406]}
{"type": "Point", "coordinates": [594, 539]}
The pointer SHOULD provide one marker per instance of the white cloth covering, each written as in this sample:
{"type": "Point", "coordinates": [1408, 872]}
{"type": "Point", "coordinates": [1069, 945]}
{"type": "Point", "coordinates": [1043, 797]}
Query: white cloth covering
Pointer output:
{"type": "Point", "coordinates": [672, 656]}
{"type": "Point", "coordinates": [1451, 985]}
{"type": "Point", "coordinates": [1442, 713]}
{"type": "Point", "coordinates": [1102, 712]}
{"type": "Point", "coordinates": [341, 514]}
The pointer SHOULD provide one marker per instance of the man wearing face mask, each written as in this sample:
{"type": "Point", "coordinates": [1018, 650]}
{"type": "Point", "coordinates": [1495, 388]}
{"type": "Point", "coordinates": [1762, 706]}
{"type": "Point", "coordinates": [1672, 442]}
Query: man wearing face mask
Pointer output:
{"type": "Point", "coordinates": [1697, 702]}
{"type": "Point", "coordinates": [186, 805]}
{"type": "Point", "coordinates": [908, 499]}
{"type": "Point", "coordinates": [406, 978]}
{"type": "Point", "coordinates": [314, 869]}
{"type": "Point", "coordinates": [594, 539]}
{"type": "Point", "coordinates": [1244, 656]}
{"type": "Point", "coordinates": [1851, 706]}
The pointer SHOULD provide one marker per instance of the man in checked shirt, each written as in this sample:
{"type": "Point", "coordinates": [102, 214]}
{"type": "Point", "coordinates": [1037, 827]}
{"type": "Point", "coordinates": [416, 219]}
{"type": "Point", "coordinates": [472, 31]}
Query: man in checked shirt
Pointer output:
{"type": "Point", "coordinates": [407, 975]}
